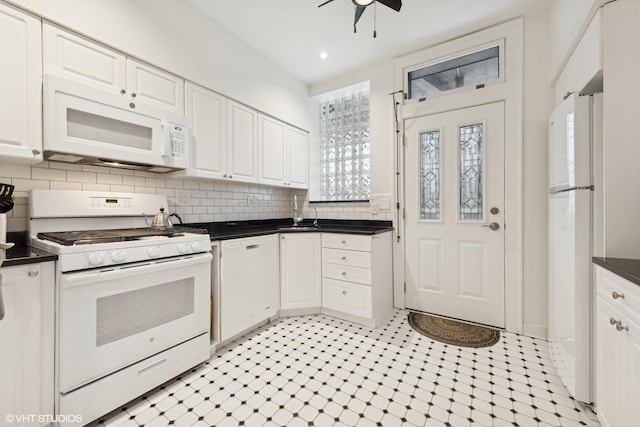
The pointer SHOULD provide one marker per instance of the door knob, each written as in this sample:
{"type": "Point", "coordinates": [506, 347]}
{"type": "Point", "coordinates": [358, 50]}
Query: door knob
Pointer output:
{"type": "Point", "coordinates": [493, 226]}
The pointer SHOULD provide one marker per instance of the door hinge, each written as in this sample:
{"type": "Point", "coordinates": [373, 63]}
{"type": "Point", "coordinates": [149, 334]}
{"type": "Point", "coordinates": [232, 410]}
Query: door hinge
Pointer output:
{"type": "Point", "coordinates": [403, 212]}
{"type": "Point", "coordinates": [405, 287]}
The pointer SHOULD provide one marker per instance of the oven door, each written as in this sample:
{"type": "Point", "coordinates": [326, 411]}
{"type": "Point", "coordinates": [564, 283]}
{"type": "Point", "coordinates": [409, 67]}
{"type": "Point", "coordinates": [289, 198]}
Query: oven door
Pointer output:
{"type": "Point", "coordinates": [110, 318]}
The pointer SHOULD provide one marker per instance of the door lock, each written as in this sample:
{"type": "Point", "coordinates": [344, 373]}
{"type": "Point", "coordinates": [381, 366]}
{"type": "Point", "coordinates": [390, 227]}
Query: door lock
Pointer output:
{"type": "Point", "coordinates": [493, 226]}
{"type": "Point", "coordinates": [494, 211]}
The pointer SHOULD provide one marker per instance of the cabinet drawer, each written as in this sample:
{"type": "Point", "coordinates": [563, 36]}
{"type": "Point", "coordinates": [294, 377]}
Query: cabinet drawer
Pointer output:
{"type": "Point", "coordinates": [349, 258]}
{"type": "Point", "coordinates": [346, 241]}
{"type": "Point", "coordinates": [347, 297]}
{"type": "Point", "coordinates": [344, 272]}
{"type": "Point", "coordinates": [628, 294]}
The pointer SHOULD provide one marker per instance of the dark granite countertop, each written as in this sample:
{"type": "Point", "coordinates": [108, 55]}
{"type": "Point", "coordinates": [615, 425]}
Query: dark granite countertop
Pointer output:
{"type": "Point", "coordinates": [238, 229]}
{"type": "Point", "coordinates": [627, 268]}
{"type": "Point", "coordinates": [23, 253]}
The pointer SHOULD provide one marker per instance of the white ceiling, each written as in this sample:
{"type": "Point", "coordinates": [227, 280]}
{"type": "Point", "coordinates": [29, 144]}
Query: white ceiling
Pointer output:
{"type": "Point", "coordinates": [293, 32]}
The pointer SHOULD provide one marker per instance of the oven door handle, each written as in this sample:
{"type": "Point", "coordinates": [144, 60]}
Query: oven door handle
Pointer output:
{"type": "Point", "coordinates": [90, 277]}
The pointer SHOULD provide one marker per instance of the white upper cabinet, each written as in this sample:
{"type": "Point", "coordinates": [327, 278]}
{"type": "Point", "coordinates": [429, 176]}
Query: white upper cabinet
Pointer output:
{"type": "Point", "coordinates": [297, 158]}
{"type": "Point", "coordinates": [582, 73]}
{"type": "Point", "coordinates": [20, 86]}
{"type": "Point", "coordinates": [207, 115]}
{"type": "Point", "coordinates": [272, 151]}
{"type": "Point", "coordinates": [83, 60]}
{"type": "Point", "coordinates": [242, 148]}
{"type": "Point", "coordinates": [155, 87]}
{"type": "Point", "coordinates": [283, 154]}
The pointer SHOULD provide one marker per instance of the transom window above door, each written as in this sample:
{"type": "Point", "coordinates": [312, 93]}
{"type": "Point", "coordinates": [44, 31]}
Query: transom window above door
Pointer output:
{"type": "Point", "coordinates": [464, 71]}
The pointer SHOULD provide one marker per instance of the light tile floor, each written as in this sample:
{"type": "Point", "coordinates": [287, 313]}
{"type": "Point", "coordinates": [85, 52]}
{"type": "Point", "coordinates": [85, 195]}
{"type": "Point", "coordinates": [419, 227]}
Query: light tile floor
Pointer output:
{"type": "Point", "coordinates": [320, 371]}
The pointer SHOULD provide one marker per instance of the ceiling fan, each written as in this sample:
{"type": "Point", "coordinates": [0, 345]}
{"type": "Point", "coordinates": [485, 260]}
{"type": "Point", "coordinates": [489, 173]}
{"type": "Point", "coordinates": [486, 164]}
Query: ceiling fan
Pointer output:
{"type": "Point", "coordinates": [361, 5]}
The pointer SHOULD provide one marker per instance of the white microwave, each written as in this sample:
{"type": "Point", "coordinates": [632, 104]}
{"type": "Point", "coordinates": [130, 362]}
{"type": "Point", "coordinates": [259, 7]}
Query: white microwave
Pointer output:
{"type": "Point", "coordinates": [85, 125]}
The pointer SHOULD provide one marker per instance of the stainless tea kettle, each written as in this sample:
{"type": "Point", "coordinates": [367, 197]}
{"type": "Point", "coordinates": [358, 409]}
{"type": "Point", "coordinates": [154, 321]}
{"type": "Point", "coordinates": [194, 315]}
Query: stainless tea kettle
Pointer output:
{"type": "Point", "coordinates": [161, 220]}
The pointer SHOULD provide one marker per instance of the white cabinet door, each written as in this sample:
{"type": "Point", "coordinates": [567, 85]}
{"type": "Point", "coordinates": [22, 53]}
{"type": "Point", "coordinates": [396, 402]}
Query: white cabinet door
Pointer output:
{"type": "Point", "coordinates": [297, 158]}
{"type": "Point", "coordinates": [20, 86]}
{"type": "Point", "coordinates": [207, 114]}
{"type": "Point", "coordinates": [610, 349]}
{"type": "Point", "coordinates": [300, 271]}
{"type": "Point", "coordinates": [242, 137]}
{"type": "Point", "coordinates": [155, 87]}
{"type": "Point", "coordinates": [79, 59]}
{"type": "Point", "coordinates": [26, 333]}
{"type": "Point", "coordinates": [271, 151]}
{"type": "Point", "coordinates": [83, 60]}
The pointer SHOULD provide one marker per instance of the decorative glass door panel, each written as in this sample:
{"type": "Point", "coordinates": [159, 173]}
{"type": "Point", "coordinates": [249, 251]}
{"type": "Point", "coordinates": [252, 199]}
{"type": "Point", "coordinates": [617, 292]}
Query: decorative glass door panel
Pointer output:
{"type": "Point", "coordinates": [471, 183]}
{"type": "Point", "coordinates": [430, 175]}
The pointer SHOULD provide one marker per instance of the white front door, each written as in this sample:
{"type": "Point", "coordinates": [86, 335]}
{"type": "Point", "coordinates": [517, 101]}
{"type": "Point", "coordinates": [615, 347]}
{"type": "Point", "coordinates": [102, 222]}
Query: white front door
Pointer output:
{"type": "Point", "coordinates": [454, 189]}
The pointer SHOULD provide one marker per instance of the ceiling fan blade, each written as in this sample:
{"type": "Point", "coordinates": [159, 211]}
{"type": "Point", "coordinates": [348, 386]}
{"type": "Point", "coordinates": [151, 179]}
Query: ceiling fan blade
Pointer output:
{"type": "Point", "coordinates": [327, 2]}
{"type": "Point", "coordinates": [393, 4]}
{"type": "Point", "coordinates": [359, 12]}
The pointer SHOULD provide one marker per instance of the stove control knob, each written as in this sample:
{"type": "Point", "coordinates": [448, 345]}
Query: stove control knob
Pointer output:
{"type": "Point", "coordinates": [118, 256]}
{"type": "Point", "coordinates": [196, 246]}
{"type": "Point", "coordinates": [153, 252]}
{"type": "Point", "coordinates": [96, 258]}
{"type": "Point", "coordinates": [183, 248]}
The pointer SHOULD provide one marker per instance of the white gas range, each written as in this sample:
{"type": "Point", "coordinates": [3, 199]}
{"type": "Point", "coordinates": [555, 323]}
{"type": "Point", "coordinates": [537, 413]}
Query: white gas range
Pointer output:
{"type": "Point", "coordinates": [132, 302]}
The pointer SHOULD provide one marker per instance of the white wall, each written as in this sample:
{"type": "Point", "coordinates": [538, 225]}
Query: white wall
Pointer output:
{"type": "Point", "coordinates": [174, 36]}
{"type": "Point", "coordinates": [621, 143]}
{"type": "Point", "coordinates": [538, 104]}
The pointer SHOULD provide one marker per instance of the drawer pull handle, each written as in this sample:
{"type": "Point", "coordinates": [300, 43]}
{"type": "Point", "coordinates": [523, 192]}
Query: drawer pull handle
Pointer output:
{"type": "Point", "coordinates": [618, 324]}
{"type": "Point", "coordinates": [344, 258]}
{"type": "Point", "coordinates": [32, 273]}
{"type": "Point", "coordinates": [344, 292]}
{"type": "Point", "coordinates": [617, 295]}
{"type": "Point", "coordinates": [344, 242]}
{"type": "Point", "coordinates": [344, 273]}
{"type": "Point", "coordinates": [621, 328]}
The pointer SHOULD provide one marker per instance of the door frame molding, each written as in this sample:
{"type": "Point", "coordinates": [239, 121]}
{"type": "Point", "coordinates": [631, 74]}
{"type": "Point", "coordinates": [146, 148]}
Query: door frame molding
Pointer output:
{"type": "Point", "coordinates": [509, 90]}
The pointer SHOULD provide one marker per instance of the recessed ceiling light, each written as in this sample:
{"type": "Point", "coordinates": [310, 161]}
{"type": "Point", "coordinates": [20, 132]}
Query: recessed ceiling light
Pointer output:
{"type": "Point", "coordinates": [324, 55]}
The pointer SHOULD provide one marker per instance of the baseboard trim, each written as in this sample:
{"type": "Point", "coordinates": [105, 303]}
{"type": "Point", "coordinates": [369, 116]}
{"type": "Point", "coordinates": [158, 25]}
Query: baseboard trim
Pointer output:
{"type": "Point", "coordinates": [533, 330]}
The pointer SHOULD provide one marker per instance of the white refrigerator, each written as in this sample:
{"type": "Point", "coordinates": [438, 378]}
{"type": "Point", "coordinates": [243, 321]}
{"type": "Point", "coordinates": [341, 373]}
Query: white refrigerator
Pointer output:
{"type": "Point", "coordinates": [572, 132]}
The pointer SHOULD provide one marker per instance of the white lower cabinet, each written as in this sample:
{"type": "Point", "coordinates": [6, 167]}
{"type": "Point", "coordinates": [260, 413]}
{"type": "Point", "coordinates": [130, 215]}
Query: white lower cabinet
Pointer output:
{"type": "Point", "coordinates": [249, 283]}
{"type": "Point", "coordinates": [357, 280]}
{"type": "Point", "coordinates": [27, 334]}
{"type": "Point", "coordinates": [300, 273]}
{"type": "Point", "coordinates": [617, 350]}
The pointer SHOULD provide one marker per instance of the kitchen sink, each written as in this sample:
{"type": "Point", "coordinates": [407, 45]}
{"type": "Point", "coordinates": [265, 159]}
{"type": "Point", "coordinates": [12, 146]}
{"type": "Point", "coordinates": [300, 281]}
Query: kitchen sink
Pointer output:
{"type": "Point", "coordinates": [299, 228]}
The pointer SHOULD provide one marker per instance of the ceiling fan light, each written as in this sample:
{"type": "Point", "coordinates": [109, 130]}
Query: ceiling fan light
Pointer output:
{"type": "Point", "coordinates": [363, 2]}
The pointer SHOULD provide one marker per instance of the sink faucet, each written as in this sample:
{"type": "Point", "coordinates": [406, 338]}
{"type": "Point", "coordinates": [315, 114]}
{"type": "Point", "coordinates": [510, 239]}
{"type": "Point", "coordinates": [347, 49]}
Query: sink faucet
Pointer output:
{"type": "Point", "coordinates": [315, 221]}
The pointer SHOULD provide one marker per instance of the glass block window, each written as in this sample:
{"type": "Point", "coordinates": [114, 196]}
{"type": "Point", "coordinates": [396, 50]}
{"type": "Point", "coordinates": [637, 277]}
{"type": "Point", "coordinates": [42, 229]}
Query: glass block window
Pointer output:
{"type": "Point", "coordinates": [345, 148]}
{"type": "Point", "coordinates": [467, 70]}
{"type": "Point", "coordinates": [430, 175]}
{"type": "Point", "coordinates": [471, 173]}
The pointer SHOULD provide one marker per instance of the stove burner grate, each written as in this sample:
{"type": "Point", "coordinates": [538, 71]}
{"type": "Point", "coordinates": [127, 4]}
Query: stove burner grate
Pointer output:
{"type": "Point", "coordinates": [87, 237]}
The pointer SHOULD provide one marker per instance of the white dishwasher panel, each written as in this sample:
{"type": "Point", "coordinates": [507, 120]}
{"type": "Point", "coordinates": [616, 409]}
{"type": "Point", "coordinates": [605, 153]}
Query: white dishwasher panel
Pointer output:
{"type": "Point", "coordinates": [249, 285]}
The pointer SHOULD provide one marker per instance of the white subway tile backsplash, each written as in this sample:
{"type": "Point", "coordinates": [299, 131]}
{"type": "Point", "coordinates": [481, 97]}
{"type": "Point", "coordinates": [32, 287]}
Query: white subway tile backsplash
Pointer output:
{"type": "Point", "coordinates": [134, 180]}
{"type": "Point", "coordinates": [77, 176]}
{"type": "Point", "coordinates": [49, 174]}
{"type": "Point", "coordinates": [194, 200]}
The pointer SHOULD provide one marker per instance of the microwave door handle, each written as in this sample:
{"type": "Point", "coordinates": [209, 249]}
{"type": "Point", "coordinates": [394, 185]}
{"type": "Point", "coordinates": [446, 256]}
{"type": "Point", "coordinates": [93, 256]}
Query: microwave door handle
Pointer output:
{"type": "Point", "coordinates": [166, 139]}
